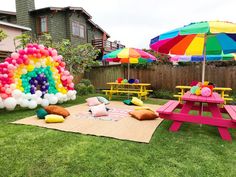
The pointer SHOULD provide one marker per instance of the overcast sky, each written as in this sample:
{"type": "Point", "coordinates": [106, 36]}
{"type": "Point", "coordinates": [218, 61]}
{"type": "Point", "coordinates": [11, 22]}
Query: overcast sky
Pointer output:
{"type": "Point", "coordinates": [135, 22]}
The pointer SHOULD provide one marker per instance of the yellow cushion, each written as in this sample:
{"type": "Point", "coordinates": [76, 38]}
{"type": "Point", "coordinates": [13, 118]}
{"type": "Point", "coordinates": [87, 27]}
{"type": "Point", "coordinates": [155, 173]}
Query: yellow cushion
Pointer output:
{"type": "Point", "coordinates": [53, 118]}
{"type": "Point", "coordinates": [143, 108]}
{"type": "Point", "coordinates": [137, 101]}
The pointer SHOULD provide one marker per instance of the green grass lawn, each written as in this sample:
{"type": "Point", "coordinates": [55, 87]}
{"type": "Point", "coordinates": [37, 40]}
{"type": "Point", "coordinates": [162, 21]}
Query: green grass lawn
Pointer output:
{"type": "Point", "coordinates": [34, 151]}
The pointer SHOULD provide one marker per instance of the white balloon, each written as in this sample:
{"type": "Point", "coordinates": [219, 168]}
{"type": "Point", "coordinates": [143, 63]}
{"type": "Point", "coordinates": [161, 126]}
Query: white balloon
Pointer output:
{"type": "Point", "coordinates": [33, 97]}
{"type": "Point", "coordinates": [45, 102]}
{"type": "Point", "coordinates": [28, 96]}
{"type": "Point", "coordinates": [73, 97]}
{"type": "Point", "coordinates": [38, 93]}
{"type": "Point", "coordinates": [47, 96]}
{"type": "Point", "coordinates": [53, 100]}
{"type": "Point", "coordinates": [39, 100]}
{"type": "Point", "coordinates": [24, 103]}
{"type": "Point", "coordinates": [70, 93]}
{"type": "Point", "coordinates": [1, 104]}
{"type": "Point", "coordinates": [16, 94]}
{"type": "Point", "coordinates": [10, 103]}
{"type": "Point", "coordinates": [32, 104]}
{"type": "Point", "coordinates": [59, 96]}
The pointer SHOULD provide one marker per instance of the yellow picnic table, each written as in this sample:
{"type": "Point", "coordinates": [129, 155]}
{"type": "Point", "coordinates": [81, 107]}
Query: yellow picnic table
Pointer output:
{"type": "Point", "coordinates": [221, 90]}
{"type": "Point", "coordinates": [140, 89]}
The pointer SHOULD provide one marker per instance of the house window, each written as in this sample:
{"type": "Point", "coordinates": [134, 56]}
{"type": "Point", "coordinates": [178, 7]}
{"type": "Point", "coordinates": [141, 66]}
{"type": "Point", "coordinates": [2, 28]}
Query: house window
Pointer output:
{"type": "Point", "coordinates": [42, 24]}
{"type": "Point", "coordinates": [78, 29]}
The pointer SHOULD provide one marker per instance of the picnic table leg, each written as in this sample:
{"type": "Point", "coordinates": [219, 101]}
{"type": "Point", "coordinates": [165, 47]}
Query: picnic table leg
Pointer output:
{"type": "Point", "coordinates": [224, 132]}
{"type": "Point", "coordinates": [185, 109]}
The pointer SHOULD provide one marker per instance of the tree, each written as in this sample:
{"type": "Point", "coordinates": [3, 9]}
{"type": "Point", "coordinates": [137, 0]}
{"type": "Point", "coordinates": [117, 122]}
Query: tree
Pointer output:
{"type": "Point", "coordinates": [78, 59]}
{"type": "Point", "coordinates": [2, 35]}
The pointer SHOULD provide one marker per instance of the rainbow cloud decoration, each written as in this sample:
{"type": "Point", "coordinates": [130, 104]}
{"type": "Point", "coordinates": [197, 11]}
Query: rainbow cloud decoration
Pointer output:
{"type": "Point", "coordinates": [34, 76]}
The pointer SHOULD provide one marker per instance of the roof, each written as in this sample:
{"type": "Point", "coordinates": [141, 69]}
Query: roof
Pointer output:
{"type": "Point", "coordinates": [71, 9]}
{"type": "Point", "coordinates": [14, 26]}
{"type": "Point", "coordinates": [7, 12]}
{"type": "Point", "coordinates": [61, 9]}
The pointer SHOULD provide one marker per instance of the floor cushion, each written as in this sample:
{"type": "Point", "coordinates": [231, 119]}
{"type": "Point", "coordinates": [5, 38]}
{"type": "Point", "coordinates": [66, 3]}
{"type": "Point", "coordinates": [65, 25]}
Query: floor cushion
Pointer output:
{"type": "Point", "coordinates": [41, 113]}
{"type": "Point", "coordinates": [99, 110]}
{"type": "Point", "coordinates": [128, 102]}
{"type": "Point", "coordinates": [143, 114]}
{"type": "Point", "coordinates": [137, 101]}
{"type": "Point", "coordinates": [92, 101]}
{"type": "Point", "coordinates": [59, 110]}
{"type": "Point", "coordinates": [103, 100]}
{"type": "Point", "coordinates": [53, 118]}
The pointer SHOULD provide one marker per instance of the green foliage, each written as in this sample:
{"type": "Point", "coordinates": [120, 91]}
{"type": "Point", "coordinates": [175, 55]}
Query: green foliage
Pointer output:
{"type": "Point", "coordinates": [78, 59]}
{"type": "Point", "coordinates": [163, 94]}
{"type": "Point", "coordinates": [3, 35]}
{"type": "Point", "coordinates": [84, 87]}
{"type": "Point", "coordinates": [23, 40]}
{"type": "Point", "coordinates": [86, 82]}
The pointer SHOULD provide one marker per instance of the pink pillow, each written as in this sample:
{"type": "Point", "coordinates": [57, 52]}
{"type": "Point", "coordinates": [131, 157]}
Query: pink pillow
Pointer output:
{"type": "Point", "coordinates": [99, 110]}
{"type": "Point", "coordinates": [93, 101]}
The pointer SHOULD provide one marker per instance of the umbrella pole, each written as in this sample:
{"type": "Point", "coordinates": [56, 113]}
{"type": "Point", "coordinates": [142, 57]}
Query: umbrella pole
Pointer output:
{"type": "Point", "coordinates": [204, 60]}
{"type": "Point", "coordinates": [128, 76]}
{"type": "Point", "coordinates": [203, 71]}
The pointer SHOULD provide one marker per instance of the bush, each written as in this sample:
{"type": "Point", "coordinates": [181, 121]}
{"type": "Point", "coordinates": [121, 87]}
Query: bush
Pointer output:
{"type": "Point", "coordinates": [86, 82]}
{"type": "Point", "coordinates": [84, 87]}
{"type": "Point", "coordinates": [164, 94]}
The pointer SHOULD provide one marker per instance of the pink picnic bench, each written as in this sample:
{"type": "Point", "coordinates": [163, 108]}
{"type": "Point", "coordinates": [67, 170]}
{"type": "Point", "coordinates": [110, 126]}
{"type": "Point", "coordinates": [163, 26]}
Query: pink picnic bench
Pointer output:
{"type": "Point", "coordinates": [193, 102]}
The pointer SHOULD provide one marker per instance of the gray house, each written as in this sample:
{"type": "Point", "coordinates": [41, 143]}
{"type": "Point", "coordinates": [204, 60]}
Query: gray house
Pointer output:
{"type": "Point", "coordinates": [72, 23]}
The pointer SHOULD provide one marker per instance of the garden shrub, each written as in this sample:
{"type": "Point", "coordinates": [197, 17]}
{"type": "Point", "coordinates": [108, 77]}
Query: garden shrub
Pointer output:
{"type": "Point", "coordinates": [84, 87]}
{"type": "Point", "coordinates": [164, 94]}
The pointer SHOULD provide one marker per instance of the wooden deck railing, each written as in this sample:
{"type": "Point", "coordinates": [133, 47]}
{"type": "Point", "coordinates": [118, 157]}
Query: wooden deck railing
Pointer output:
{"type": "Point", "coordinates": [106, 46]}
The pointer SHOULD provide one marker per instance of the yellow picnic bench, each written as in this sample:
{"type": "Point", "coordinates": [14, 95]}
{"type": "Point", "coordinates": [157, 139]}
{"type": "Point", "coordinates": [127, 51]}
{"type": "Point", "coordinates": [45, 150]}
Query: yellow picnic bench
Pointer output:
{"type": "Point", "coordinates": [220, 90]}
{"type": "Point", "coordinates": [140, 89]}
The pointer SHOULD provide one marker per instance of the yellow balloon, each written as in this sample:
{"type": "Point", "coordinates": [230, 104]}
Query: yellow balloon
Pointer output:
{"type": "Point", "coordinates": [198, 92]}
{"type": "Point", "coordinates": [30, 68]}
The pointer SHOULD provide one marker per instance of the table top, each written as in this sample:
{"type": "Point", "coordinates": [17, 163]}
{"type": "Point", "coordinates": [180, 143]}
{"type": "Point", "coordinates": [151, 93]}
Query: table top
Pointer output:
{"type": "Point", "coordinates": [216, 88]}
{"type": "Point", "coordinates": [138, 84]}
{"type": "Point", "coordinates": [215, 98]}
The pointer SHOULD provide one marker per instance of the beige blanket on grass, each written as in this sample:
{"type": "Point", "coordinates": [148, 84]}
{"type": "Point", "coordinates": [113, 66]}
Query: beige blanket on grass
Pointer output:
{"type": "Point", "coordinates": [120, 126]}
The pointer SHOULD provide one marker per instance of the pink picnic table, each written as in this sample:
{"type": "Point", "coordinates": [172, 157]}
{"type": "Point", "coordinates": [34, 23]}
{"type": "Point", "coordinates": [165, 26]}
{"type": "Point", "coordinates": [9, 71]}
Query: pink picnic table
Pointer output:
{"type": "Point", "coordinates": [209, 104]}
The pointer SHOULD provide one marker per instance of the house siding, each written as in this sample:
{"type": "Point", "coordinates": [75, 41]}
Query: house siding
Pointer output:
{"type": "Point", "coordinates": [82, 20]}
{"type": "Point", "coordinates": [57, 27]}
{"type": "Point", "coordinates": [23, 16]}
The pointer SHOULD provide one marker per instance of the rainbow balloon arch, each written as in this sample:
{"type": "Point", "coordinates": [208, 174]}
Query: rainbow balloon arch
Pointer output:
{"type": "Point", "coordinates": [34, 76]}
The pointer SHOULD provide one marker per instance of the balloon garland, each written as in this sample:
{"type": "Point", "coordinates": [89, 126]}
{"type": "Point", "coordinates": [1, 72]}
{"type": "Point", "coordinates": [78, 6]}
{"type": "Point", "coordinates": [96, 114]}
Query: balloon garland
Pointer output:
{"type": "Point", "coordinates": [34, 76]}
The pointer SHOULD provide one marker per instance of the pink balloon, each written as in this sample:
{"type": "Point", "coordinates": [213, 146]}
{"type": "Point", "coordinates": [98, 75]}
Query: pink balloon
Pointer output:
{"type": "Point", "coordinates": [54, 52]}
{"type": "Point", "coordinates": [15, 55]}
{"type": "Point", "coordinates": [19, 61]}
{"type": "Point", "coordinates": [71, 85]}
{"type": "Point", "coordinates": [21, 52]}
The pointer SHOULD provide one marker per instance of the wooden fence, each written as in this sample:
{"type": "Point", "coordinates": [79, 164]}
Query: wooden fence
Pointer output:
{"type": "Point", "coordinates": [164, 76]}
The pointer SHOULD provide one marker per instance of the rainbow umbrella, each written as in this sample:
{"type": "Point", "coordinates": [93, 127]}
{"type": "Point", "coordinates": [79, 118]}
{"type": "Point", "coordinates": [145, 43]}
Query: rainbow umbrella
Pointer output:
{"type": "Point", "coordinates": [198, 39]}
{"type": "Point", "coordinates": [130, 56]}
{"type": "Point", "coordinates": [184, 58]}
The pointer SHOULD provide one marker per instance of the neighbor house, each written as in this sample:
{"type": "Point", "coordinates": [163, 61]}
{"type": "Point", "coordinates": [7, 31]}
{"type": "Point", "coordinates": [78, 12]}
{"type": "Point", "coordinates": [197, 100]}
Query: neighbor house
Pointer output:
{"type": "Point", "coordinates": [8, 44]}
{"type": "Point", "coordinates": [72, 23]}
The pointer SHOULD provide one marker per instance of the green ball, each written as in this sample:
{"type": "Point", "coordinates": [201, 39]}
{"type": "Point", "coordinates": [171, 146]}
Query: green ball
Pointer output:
{"type": "Point", "coordinates": [41, 113]}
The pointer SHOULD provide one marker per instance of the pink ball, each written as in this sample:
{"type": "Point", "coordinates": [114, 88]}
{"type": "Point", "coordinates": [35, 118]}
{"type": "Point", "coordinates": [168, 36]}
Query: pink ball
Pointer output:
{"type": "Point", "coordinates": [21, 52]}
{"type": "Point", "coordinates": [14, 55]}
{"type": "Point", "coordinates": [19, 61]}
{"type": "Point", "coordinates": [54, 52]}
{"type": "Point", "coordinates": [71, 85]}
{"type": "Point", "coordinates": [206, 91]}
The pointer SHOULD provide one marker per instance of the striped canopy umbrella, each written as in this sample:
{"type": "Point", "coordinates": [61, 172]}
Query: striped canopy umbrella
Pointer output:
{"type": "Point", "coordinates": [184, 58]}
{"type": "Point", "coordinates": [198, 39]}
{"type": "Point", "coordinates": [129, 55]}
